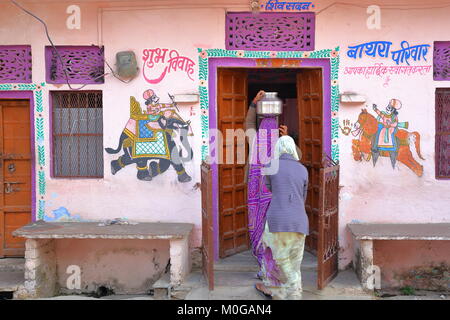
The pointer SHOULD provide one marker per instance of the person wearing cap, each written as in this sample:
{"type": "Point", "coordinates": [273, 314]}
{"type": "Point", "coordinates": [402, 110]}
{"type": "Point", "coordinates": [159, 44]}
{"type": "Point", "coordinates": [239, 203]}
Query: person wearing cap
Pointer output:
{"type": "Point", "coordinates": [388, 124]}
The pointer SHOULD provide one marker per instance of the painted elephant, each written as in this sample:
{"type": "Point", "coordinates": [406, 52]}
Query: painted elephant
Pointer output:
{"type": "Point", "coordinates": [148, 140]}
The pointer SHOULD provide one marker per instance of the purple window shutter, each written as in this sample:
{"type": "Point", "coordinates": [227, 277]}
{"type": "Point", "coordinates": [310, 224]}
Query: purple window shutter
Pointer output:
{"type": "Point", "coordinates": [442, 138]}
{"type": "Point", "coordinates": [441, 60]}
{"type": "Point", "coordinates": [15, 64]}
{"type": "Point", "coordinates": [278, 31]}
{"type": "Point", "coordinates": [84, 64]}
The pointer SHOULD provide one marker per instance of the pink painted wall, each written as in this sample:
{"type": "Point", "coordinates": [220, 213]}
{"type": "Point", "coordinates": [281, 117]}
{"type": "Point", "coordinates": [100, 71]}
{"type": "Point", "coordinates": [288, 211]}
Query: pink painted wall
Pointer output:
{"type": "Point", "coordinates": [419, 264]}
{"type": "Point", "coordinates": [368, 194]}
{"type": "Point", "coordinates": [126, 266]}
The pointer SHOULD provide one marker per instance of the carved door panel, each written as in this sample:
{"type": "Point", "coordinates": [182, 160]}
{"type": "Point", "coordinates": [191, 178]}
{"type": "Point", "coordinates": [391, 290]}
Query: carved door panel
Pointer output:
{"type": "Point", "coordinates": [328, 242]}
{"type": "Point", "coordinates": [310, 108]}
{"type": "Point", "coordinates": [232, 108]}
{"type": "Point", "coordinates": [15, 174]}
{"type": "Point", "coordinates": [207, 225]}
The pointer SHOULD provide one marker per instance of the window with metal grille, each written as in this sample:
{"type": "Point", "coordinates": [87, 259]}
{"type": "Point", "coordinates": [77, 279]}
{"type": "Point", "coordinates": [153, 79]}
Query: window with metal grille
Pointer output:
{"type": "Point", "coordinates": [83, 64]}
{"type": "Point", "coordinates": [442, 139]}
{"type": "Point", "coordinates": [15, 64]}
{"type": "Point", "coordinates": [441, 60]}
{"type": "Point", "coordinates": [77, 124]}
{"type": "Point", "coordinates": [276, 31]}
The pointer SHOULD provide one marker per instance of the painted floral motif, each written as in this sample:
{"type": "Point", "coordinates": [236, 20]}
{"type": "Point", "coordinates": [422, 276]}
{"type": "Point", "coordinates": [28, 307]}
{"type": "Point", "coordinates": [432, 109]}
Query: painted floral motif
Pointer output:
{"type": "Point", "coordinates": [202, 83]}
{"type": "Point", "coordinates": [240, 53]}
{"type": "Point", "coordinates": [334, 82]}
{"type": "Point", "coordinates": [334, 53]}
{"type": "Point", "coordinates": [203, 54]}
{"type": "Point", "coordinates": [306, 55]}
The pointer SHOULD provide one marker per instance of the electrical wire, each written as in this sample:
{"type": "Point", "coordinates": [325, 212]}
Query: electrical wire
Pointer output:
{"type": "Point", "coordinates": [64, 67]}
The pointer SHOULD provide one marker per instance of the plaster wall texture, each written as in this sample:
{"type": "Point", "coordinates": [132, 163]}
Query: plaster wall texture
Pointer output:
{"type": "Point", "coordinates": [368, 193]}
{"type": "Point", "coordinates": [419, 264]}
{"type": "Point", "coordinates": [126, 266]}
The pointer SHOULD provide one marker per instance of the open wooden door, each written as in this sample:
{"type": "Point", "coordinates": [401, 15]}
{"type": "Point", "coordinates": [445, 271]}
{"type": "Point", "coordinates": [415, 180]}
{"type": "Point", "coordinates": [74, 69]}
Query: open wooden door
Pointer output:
{"type": "Point", "coordinates": [323, 189]}
{"type": "Point", "coordinates": [207, 225]}
{"type": "Point", "coordinates": [328, 244]}
{"type": "Point", "coordinates": [232, 109]}
{"type": "Point", "coordinates": [310, 106]}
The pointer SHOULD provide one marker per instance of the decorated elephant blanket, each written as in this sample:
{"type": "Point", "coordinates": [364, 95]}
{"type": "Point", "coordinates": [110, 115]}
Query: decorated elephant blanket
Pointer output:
{"type": "Point", "coordinates": [146, 141]}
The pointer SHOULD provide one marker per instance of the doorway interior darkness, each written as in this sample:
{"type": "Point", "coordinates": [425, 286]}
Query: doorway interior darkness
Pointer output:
{"type": "Point", "coordinates": [304, 118]}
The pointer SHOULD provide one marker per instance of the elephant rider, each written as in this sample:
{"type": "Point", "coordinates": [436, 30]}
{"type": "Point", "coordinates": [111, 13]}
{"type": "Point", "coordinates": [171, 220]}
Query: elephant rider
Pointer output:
{"type": "Point", "coordinates": [384, 139]}
{"type": "Point", "coordinates": [158, 113]}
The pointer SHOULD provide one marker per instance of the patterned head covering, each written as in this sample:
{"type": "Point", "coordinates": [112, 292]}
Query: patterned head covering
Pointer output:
{"type": "Point", "coordinates": [286, 144]}
{"type": "Point", "coordinates": [395, 103]}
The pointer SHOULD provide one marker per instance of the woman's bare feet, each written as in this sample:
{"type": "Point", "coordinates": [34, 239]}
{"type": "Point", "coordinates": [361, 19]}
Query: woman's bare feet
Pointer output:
{"type": "Point", "coordinates": [262, 288]}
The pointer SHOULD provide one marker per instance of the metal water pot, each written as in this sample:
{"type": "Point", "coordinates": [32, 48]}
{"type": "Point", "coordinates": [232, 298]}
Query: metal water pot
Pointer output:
{"type": "Point", "coordinates": [269, 105]}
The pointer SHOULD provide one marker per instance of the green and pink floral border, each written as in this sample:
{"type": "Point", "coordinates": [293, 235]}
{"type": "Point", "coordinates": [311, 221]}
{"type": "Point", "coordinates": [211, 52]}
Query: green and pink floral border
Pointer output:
{"type": "Point", "coordinates": [206, 54]}
{"type": "Point", "coordinates": [39, 129]}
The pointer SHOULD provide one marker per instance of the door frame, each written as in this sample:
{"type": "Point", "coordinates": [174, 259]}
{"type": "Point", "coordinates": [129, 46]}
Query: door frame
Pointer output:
{"type": "Point", "coordinates": [28, 95]}
{"type": "Point", "coordinates": [212, 59]}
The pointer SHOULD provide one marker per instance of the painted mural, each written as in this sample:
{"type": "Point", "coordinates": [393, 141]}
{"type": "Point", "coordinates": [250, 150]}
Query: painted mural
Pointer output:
{"type": "Point", "coordinates": [164, 61]}
{"type": "Point", "coordinates": [149, 139]}
{"type": "Point", "coordinates": [384, 135]}
{"type": "Point", "coordinates": [62, 215]}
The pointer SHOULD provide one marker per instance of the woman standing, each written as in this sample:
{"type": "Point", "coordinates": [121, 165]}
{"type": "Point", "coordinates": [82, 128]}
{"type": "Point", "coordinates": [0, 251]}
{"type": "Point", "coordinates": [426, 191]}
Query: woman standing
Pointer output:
{"type": "Point", "coordinates": [286, 225]}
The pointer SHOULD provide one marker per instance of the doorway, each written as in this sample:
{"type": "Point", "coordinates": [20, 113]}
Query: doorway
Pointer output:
{"type": "Point", "coordinates": [15, 174]}
{"type": "Point", "coordinates": [301, 92]}
{"type": "Point", "coordinates": [316, 95]}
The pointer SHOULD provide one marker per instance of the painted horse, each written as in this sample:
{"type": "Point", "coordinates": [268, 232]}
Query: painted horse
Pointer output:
{"type": "Point", "coordinates": [366, 129]}
{"type": "Point", "coordinates": [148, 140]}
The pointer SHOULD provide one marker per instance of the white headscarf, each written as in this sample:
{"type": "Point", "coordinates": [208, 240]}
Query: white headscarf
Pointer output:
{"type": "Point", "coordinates": [286, 144]}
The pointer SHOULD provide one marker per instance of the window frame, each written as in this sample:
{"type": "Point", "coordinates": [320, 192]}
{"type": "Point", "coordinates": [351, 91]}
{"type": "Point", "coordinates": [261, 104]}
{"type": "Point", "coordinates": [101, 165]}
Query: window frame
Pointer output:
{"type": "Point", "coordinates": [438, 133]}
{"type": "Point", "coordinates": [440, 45]}
{"type": "Point", "coordinates": [230, 32]}
{"type": "Point", "coordinates": [53, 161]}
{"type": "Point", "coordinates": [48, 55]}
{"type": "Point", "coordinates": [29, 64]}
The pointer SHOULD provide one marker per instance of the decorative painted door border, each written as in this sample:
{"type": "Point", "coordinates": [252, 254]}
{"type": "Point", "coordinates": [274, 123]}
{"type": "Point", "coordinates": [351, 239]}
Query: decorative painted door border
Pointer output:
{"type": "Point", "coordinates": [33, 92]}
{"type": "Point", "coordinates": [205, 85]}
{"type": "Point", "coordinates": [210, 59]}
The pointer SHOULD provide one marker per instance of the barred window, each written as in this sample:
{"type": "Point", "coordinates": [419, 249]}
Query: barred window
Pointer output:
{"type": "Point", "coordinates": [442, 139]}
{"type": "Point", "coordinates": [77, 124]}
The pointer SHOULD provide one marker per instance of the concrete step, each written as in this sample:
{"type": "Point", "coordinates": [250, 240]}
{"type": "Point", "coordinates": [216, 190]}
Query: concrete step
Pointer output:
{"type": "Point", "coordinates": [11, 281]}
{"type": "Point", "coordinates": [240, 285]}
{"type": "Point", "coordinates": [162, 288]}
{"type": "Point", "coordinates": [245, 262]}
{"type": "Point", "coordinates": [163, 282]}
{"type": "Point", "coordinates": [12, 264]}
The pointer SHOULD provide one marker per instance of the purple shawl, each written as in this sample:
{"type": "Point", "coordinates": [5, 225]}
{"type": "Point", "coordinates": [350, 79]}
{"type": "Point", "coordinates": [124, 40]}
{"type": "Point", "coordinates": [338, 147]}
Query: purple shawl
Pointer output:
{"type": "Point", "coordinates": [259, 196]}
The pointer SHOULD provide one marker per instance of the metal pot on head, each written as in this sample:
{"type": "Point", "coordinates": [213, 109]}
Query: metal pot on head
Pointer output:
{"type": "Point", "coordinates": [269, 105]}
